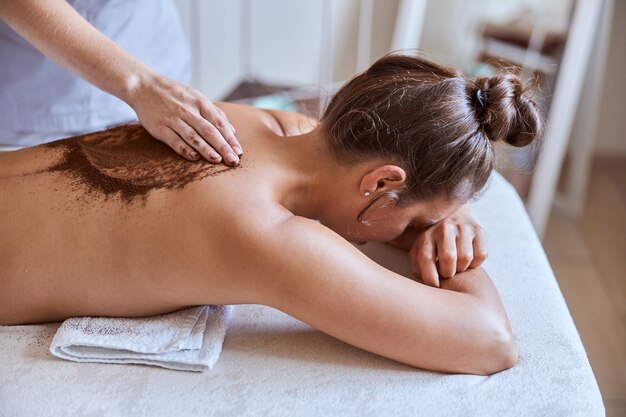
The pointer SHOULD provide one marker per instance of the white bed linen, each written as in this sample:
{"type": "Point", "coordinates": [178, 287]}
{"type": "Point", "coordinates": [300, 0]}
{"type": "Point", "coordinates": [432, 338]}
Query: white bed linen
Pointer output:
{"type": "Point", "coordinates": [274, 365]}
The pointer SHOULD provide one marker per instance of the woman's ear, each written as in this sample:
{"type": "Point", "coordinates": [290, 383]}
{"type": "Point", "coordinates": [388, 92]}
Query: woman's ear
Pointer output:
{"type": "Point", "coordinates": [383, 178]}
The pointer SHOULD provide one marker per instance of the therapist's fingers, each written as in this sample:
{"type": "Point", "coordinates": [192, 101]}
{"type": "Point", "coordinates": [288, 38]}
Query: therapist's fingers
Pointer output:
{"type": "Point", "coordinates": [446, 249]}
{"type": "Point", "coordinates": [221, 112]}
{"type": "Point", "coordinates": [207, 136]}
{"type": "Point", "coordinates": [218, 118]}
{"type": "Point", "coordinates": [194, 140]}
{"type": "Point", "coordinates": [174, 141]}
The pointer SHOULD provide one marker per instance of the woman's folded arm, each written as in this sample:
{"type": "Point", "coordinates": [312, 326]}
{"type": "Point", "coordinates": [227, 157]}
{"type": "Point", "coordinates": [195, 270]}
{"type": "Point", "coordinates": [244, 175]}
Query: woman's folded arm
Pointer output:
{"type": "Point", "coordinates": [313, 274]}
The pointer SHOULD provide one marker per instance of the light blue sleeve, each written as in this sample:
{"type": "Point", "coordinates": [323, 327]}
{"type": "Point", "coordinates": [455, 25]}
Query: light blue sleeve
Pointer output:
{"type": "Point", "coordinates": [39, 100]}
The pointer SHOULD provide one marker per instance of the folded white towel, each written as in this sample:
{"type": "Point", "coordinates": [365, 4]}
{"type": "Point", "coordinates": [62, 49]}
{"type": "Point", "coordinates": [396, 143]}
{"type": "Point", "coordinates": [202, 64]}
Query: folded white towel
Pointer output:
{"type": "Point", "coordinates": [187, 340]}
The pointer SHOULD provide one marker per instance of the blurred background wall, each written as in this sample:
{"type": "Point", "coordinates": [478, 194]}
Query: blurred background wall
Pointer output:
{"type": "Point", "coordinates": [611, 131]}
{"type": "Point", "coordinates": [281, 42]}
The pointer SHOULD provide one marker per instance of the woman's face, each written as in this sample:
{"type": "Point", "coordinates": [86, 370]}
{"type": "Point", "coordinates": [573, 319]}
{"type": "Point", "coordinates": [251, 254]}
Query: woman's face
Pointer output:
{"type": "Point", "coordinates": [384, 221]}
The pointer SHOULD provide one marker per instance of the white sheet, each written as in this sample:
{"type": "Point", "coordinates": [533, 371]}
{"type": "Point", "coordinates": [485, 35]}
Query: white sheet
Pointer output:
{"type": "Point", "coordinates": [272, 364]}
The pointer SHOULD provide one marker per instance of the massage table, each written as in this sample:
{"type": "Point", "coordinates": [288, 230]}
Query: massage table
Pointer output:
{"type": "Point", "coordinates": [275, 365]}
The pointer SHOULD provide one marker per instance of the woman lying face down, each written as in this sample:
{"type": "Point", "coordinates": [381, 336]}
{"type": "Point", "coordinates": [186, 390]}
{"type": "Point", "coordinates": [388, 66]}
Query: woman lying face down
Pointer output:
{"type": "Point", "coordinates": [116, 224]}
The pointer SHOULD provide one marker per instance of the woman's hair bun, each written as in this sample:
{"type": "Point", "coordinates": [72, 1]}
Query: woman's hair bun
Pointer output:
{"type": "Point", "coordinates": [504, 110]}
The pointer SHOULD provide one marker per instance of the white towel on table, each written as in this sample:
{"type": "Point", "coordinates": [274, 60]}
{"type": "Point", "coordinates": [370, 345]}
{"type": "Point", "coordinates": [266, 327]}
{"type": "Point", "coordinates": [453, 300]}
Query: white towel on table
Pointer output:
{"type": "Point", "coordinates": [187, 340]}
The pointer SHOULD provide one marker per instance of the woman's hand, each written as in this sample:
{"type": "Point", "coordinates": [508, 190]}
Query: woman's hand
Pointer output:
{"type": "Point", "coordinates": [453, 245]}
{"type": "Point", "coordinates": [185, 120]}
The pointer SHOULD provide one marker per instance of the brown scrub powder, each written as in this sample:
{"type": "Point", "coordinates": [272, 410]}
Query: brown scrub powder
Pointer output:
{"type": "Point", "coordinates": [128, 162]}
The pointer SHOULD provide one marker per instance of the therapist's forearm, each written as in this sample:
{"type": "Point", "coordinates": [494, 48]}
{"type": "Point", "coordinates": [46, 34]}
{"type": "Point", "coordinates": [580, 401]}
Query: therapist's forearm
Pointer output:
{"type": "Point", "coordinates": [63, 35]}
{"type": "Point", "coordinates": [172, 112]}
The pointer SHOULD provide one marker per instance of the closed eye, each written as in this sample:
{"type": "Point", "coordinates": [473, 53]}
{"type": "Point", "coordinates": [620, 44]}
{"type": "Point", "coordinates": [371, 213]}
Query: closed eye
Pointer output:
{"type": "Point", "coordinates": [419, 224]}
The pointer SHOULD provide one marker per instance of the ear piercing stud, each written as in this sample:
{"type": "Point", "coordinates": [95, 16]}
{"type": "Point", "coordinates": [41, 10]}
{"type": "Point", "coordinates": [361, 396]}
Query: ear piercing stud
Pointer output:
{"type": "Point", "coordinates": [366, 193]}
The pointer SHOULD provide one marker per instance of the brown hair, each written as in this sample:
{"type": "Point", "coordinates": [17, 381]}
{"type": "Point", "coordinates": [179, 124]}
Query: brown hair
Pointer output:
{"type": "Point", "coordinates": [432, 121]}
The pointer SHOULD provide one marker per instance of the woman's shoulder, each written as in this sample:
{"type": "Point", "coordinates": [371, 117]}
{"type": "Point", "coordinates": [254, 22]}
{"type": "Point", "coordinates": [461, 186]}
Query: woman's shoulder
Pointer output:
{"type": "Point", "coordinates": [290, 246]}
{"type": "Point", "coordinates": [282, 123]}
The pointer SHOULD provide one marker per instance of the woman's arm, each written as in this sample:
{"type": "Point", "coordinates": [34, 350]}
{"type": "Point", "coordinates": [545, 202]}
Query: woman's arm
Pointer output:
{"type": "Point", "coordinates": [172, 112]}
{"type": "Point", "coordinates": [311, 273]}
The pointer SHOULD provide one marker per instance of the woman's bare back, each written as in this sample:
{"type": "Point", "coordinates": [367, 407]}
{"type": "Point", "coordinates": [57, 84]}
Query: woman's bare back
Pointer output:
{"type": "Point", "coordinates": [115, 223]}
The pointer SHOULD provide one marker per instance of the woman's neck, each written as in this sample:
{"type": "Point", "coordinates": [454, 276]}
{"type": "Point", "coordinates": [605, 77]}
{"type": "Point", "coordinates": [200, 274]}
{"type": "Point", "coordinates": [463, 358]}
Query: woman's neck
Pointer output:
{"type": "Point", "coordinates": [311, 177]}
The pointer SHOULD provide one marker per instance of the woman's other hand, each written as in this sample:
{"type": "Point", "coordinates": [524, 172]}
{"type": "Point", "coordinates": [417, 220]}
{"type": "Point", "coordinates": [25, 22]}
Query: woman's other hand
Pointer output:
{"type": "Point", "coordinates": [453, 245]}
{"type": "Point", "coordinates": [181, 117]}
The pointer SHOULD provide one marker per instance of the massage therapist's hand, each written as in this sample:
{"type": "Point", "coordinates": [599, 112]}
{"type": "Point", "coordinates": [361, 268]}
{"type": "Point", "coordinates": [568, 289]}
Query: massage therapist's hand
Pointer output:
{"type": "Point", "coordinates": [453, 245]}
{"type": "Point", "coordinates": [174, 113]}
{"type": "Point", "coordinates": [185, 120]}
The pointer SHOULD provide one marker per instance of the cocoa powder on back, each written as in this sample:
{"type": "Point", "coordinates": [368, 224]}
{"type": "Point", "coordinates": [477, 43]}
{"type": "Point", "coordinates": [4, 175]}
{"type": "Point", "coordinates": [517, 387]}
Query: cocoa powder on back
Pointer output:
{"type": "Point", "coordinates": [128, 162]}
